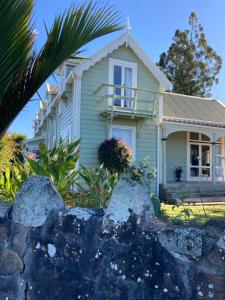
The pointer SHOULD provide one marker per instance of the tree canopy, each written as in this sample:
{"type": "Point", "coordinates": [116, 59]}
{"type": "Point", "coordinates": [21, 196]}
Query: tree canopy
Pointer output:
{"type": "Point", "coordinates": [190, 63]}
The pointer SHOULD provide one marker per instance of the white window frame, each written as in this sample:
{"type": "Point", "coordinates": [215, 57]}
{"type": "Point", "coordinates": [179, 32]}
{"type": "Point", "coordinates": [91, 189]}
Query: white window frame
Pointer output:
{"type": "Point", "coordinates": [133, 137]}
{"type": "Point", "coordinates": [198, 142]}
{"type": "Point", "coordinates": [124, 64]}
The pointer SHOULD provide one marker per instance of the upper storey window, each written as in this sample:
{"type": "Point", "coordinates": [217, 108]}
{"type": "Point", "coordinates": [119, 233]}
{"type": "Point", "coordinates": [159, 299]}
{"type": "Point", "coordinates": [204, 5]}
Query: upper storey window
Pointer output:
{"type": "Point", "coordinates": [122, 74]}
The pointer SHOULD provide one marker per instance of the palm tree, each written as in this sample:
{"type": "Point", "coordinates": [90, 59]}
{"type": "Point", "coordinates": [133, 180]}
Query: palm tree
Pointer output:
{"type": "Point", "coordinates": [23, 69]}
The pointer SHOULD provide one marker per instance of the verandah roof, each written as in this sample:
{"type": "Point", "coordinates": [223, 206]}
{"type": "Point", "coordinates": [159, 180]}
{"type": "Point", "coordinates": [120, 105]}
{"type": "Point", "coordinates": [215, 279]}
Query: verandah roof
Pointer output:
{"type": "Point", "coordinates": [195, 110]}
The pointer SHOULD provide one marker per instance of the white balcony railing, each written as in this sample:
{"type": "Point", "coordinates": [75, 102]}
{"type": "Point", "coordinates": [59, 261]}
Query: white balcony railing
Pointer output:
{"type": "Point", "coordinates": [133, 102]}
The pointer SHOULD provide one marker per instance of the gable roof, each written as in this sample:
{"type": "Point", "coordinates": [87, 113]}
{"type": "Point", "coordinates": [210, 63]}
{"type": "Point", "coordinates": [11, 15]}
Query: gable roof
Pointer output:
{"type": "Point", "coordinates": [128, 40]}
{"type": "Point", "coordinates": [195, 110]}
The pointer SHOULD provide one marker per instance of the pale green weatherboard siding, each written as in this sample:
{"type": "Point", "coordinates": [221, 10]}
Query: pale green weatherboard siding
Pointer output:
{"type": "Point", "coordinates": [65, 119]}
{"type": "Point", "coordinates": [93, 129]}
{"type": "Point", "coordinates": [176, 154]}
{"type": "Point", "coordinates": [55, 127]}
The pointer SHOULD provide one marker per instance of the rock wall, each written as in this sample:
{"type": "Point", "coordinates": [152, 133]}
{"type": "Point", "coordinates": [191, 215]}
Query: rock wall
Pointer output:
{"type": "Point", "coordinates": [63, 254]}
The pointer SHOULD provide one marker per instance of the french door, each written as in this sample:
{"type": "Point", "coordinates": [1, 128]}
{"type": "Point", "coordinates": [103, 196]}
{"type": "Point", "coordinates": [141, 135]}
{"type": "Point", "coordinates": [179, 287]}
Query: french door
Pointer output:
{"type": "Point", "coordinates": [122, 74]}
{"type": "Point", "coordinates": [200, 161]}
{"type": "Point", "coordinates": [123, 77]}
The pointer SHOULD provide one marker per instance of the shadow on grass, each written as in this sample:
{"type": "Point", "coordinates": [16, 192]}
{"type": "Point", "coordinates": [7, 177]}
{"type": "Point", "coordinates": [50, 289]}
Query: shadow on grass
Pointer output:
{"type": "Point", "coordinates": [197, 214]}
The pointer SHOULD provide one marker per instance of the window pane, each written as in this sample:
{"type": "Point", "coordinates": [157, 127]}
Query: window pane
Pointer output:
{"type": "Point", "coordinates": [194, 172]}
{"type": "Point", "coordinates": [117, 75]}
{"type": "Point", "coordinates": [117, 80]}
{"type": "Point", "coordinates": [205, 137]}
{"type": "Point", "coordinates": [205, 155]}
{"type": "Point", "coordinates": [194, 136]}
{"type": "Point", "coordinates": [206, 172]}
{"type": "Point", "coordinates": [194, 155]}
{"type": "Point", "coordinates": [123, 134]}
{"type": "Point", "coordinates": [128, 83]}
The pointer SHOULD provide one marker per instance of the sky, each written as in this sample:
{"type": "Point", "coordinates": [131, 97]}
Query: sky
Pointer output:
{"type": "Point", "coordinates": [153, 25]}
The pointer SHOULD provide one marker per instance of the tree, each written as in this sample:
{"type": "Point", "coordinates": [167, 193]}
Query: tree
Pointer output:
{"type": "Point", "coordinates": [23, 69]}
{"type": "Point", "coordinates": [11, 150]}
{"type": "Point", "coordinates": [191, 64]}
{"type": "Point", "coordinates": [19, 139]}
{"type": "Point", "coordinates": [7, 152]}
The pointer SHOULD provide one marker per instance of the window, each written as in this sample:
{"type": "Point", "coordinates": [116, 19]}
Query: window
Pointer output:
{"type": "Point", "coordinates": [123, 74]}
{"type": "Point", "coordinates": [195, 136]}
{"type": "Point", "coordinates": [126, 134]}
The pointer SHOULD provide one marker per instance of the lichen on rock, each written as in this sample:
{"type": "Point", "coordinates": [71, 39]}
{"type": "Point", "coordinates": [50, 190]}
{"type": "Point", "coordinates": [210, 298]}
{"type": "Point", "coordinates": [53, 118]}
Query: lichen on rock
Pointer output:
{"type": "Point", "coordinates": [128, 197]}
{"type": "Point", "coordinates": [35, 200]}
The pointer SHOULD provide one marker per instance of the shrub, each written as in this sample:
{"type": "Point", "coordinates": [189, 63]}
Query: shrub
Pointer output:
{"type": "Point", "coordinates": [115, 155]}
{"type": "Point", "coordinates": [142, 173]}
{"type": "Point", "coordinates": [12, 179]}
{"type": "Point", "coordinates": [59, 164]}
{"type": "Point", "coordinates": [95, 188]}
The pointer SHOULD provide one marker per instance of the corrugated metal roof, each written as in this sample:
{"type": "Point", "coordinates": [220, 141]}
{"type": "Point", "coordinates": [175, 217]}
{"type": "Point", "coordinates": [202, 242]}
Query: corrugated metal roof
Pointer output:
{"type": "Point", "coordinates": [186, 108]}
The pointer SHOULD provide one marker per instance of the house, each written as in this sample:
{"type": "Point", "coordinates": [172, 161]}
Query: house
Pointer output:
{"type": "Point", "coordinates": [120, 92]}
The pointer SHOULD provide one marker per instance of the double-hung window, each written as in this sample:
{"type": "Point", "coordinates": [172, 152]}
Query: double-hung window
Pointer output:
{"type": "Point", "coordinates": [126, 134]}
{"type": "Point", "coordinates": [122, 74]}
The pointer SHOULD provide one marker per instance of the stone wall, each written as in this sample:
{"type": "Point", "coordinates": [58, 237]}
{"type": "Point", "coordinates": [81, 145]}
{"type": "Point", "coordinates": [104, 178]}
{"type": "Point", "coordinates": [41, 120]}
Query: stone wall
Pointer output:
{"type": "Point", "coordinates": [50, 252]}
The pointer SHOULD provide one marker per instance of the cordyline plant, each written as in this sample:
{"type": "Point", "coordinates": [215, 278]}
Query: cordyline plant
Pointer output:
{"type": "Point", "coordinates": [23, 69]}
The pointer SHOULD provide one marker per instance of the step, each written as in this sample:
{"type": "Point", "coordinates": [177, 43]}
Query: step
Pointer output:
{"type": "Point", "coordinates": [198, 195]}
{"type": "Point", "coordinates": [194, 185]}
{"type": "Point", "coordinates": [196, 190]}
{"type": "Point", "coordinates": [202, 200]}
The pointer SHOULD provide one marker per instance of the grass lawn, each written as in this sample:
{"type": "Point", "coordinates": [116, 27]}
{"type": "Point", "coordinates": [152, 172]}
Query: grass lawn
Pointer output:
{"type": "Point", "coordinates": [193, 213]}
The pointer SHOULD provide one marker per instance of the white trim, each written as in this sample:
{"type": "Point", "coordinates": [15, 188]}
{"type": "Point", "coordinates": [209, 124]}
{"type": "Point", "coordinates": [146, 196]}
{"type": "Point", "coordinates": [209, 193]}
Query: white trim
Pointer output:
{"type": "Point", "coordinates": [74, 111]}
{"type": "Point", "coordinates": [172, 127]}
{"type": "Point", "coordinates": [124, 64]}
{"type": "Point", "coordinates": [133, 134]}
{"type": "Point", "coordinates": [128, 40]}
{"type": "Point", "coordinates": [160, 109]}
{"type": "Point", "coordinates": [194, 121]}
{"type": "Point", "coordinates": [158, 161]}
{"type": "Point", "coordinates": [77, 106]}
{"type": "Point", "coordinates": [200, 143]}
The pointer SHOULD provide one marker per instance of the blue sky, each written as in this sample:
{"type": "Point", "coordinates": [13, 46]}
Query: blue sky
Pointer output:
{"type": "Point", "coordinates": [153, 25]}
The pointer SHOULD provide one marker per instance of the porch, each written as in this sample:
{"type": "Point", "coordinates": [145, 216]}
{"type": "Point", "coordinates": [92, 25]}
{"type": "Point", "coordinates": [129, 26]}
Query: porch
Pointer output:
{"type": "Point", "coordinates": [193, 192]}
{"type": "Point", "coordinates": [200, 153]}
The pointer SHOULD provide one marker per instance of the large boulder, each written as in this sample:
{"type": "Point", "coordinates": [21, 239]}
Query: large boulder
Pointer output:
{"type": "Point", "coordinates": [35, 200]}
{"type": "Point", "coordinates": [128, 197]}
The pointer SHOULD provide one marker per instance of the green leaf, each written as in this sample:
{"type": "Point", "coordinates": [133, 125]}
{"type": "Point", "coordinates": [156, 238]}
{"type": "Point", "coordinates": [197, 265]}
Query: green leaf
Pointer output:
{"type": "Point", "coordinates": [37, 168]}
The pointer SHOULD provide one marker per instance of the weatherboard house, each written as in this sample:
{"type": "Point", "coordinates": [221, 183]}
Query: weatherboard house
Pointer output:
{"type": "Point", "coordinates": [120, 92]}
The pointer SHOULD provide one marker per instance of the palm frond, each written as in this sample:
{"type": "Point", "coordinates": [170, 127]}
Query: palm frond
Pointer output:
{"type": "Point", "coordinates": [70, 32]}
{"type": "Point", "coordinates": [16, 39]}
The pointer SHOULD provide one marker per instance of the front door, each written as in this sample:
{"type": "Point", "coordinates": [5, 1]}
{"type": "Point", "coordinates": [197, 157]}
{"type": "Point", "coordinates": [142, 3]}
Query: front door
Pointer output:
{"type": "Point", "coordinates": [200, 157]}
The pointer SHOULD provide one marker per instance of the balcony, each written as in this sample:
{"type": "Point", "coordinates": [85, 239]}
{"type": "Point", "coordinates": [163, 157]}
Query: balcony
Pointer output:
{"type": "Point", "coordinates": [126, 102]}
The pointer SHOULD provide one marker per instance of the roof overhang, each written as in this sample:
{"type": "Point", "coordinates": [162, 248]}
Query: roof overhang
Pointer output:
{"type": "Point", "coordinates": [34, 139]}
{"type": "Point", "coordinates": [194, 121]}
{"type": "Point", "coordinates": [128, 40]}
